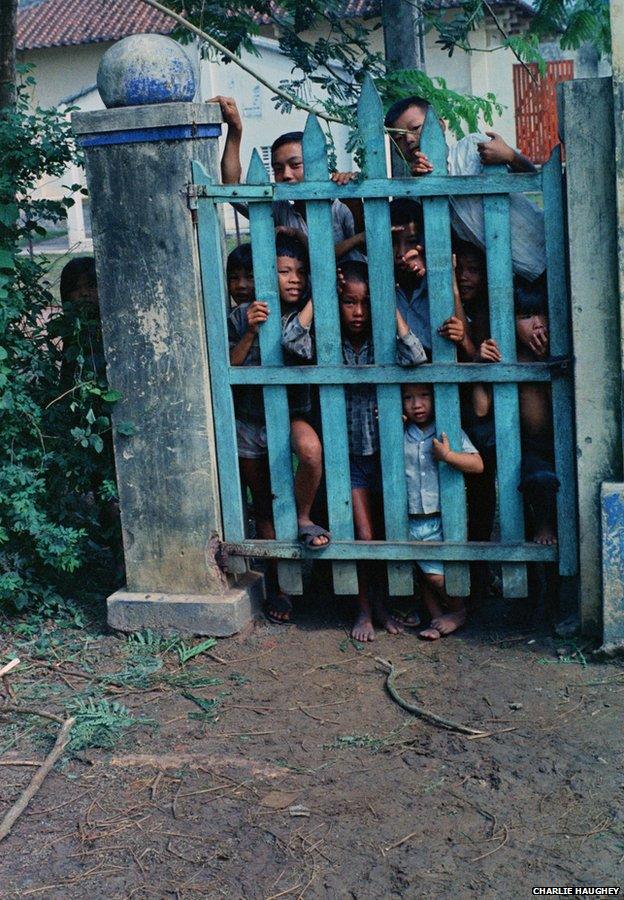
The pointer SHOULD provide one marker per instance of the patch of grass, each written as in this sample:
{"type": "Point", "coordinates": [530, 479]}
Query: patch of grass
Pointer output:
{"type": "Point", "coordinates": [209, 707]}
{"type": "Point", "coordinates": [186, 653]}
{"type": "Point", "coordinates": [191, 678]}
{"type": "Point", "coordinates": [98, 723]}
{"type": "Point", "coordinates": [147, 641]}
{"type": "Point", "coordinates": [238, 679]}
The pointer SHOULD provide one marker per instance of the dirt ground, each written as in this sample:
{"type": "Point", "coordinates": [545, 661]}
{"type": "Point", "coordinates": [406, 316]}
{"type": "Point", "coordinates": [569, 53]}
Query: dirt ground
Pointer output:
{"type": "Point", "coordinates": [276, 764]}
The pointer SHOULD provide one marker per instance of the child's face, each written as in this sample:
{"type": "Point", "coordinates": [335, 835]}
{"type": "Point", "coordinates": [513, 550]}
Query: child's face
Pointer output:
{"type": "Point", "coordinates": [241, 286]}
{"type": "Point", "coordinates": [85, 292]}
{"type": "Point", "coordinates": [470, 277]}
{"type": "Point", "coordinates": [411, 122]}
{"type": "Point", "coordinates": [288, 164]}
{"type": "Point", "coordinates": [291, 277]}
{"type": "Point", "coordinates": [354, 308]}
{"type": "Point", "coordinates": [404, 239]}
{"type": "Point", "coordinates": [418, 403]}
{"type": "Point", "coordinates": [532, 326]}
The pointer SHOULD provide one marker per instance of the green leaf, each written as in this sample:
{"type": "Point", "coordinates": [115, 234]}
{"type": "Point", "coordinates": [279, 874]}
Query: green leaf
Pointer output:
{"type": "Point", "coordinates": [90, 417]}
{"type": "Point", "coordinates": [97, 443]}
{"type": "Point", "coordinates": [112, 396]}
{"type": "Point", "coordinates": [125, 428]}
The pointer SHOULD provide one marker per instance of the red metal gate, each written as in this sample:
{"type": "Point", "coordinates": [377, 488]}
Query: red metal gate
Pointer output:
{"type": "Point", "coordinates": [536, 107]}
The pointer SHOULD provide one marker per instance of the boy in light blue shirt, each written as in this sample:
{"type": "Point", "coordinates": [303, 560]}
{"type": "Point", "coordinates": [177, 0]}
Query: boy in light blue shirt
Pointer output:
{"type": "Point", "coordinates": [423, 455]}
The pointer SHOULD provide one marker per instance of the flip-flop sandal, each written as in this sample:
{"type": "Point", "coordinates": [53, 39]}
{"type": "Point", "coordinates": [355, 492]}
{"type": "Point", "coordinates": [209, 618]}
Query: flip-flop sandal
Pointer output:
{"type": "Point", "coordinates": [281, 603]}
{"type": "Point", "coordinates": [307, 533]}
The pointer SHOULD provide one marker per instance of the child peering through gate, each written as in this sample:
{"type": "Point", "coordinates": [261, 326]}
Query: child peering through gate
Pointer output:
{"type": "Point", "coordinates": [287, 163]}
{"type": "Point", "coordinates": [405, 120]}
{"type": "Point", "coordinates": [538, 481]}
{"type": "Point", "coordinates": [362, 425]}
{"type": "Point", "coordinates": [244, 323]}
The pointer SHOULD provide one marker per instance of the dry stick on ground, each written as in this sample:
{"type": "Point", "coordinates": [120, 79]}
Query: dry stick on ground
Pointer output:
{"type": "Point", "coordinates": [391, 675]}
{"type": "Point", "coordinates": [37, 780]}
{"type": "Point", "coordinates": [31, 711]}
{"type": "Point", "coordinates": [9, 667]}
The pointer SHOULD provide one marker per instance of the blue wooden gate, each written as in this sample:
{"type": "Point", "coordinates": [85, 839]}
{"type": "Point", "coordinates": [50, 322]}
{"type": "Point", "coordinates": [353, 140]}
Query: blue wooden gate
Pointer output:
{"type": "Point", "coordinates": [495, 185]}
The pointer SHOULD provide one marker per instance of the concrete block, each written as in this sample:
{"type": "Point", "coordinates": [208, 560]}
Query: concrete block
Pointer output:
{"type": "Point", "coordinates": [216, 615]}
{"type": "Point", "coordinates": [612, 509]}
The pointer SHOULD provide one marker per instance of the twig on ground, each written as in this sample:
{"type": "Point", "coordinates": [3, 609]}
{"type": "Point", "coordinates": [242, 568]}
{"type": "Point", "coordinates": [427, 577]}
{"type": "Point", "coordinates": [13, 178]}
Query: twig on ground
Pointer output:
{"type": "Point", "coordinates": [420, 711]}
{"type": "Point", "coordinates": [31, 711]}
{"type": "Point", "coordinates": [37, 780]}
{"type": "Point", "coordinates": [490, 852]}
{"type": "Point", "coordinates": [20, 762]}
{"type": "Point", "coordinates": [398, 843]}
{"type": "Point", "coordinates": [13, 664]}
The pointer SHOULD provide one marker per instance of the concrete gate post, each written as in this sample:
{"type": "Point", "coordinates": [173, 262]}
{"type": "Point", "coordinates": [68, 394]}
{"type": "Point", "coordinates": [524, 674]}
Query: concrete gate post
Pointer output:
{"type": "Point", "coordinates": [138, 163]}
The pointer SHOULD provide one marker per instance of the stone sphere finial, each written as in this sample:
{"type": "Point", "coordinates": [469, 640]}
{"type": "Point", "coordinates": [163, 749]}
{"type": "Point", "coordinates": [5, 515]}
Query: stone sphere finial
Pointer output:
{"type": "Point", "coordinates": [143, 69]}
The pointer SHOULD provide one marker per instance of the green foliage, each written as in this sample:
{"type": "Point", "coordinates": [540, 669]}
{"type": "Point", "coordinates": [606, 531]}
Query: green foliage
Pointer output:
{"type": "Point", "coordinates": [209, 708]}
{"type": "Point", "coordinates": [334, 59]}
{"type": "Point", "coordinates": [98, 723]}
{"type": "Point", "coordinates": [333, 52]}
{"type": "Point", "coordinates": [186, 653]}
{"type": "Point", "coordinates": [54, 401]}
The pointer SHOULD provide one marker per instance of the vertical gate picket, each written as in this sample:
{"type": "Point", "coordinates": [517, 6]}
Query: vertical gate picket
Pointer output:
{"type": "Point", "coordinates": [215, 316]}
{"type": "Point", "coordinates": [560, 345]}
{"type": "Point", "coordinates": [506, 405]}
{"type": "Point", "coordinates": [383, 305]}
{"type": "Point", "coordinates": [441, 305]}
{"type": "Point", "coordinates": [262, 229]}
{"type": "Point", "coordinates": [329, 353]}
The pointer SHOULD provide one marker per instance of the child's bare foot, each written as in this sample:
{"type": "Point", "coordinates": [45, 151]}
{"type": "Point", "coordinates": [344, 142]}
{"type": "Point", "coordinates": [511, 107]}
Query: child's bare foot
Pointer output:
{"type": "Point", "coordinates": [449, 622]}
{"type": "Point", "coordinates": [363, 630]}
{"type": "Point", "coordinates": [386, 620]}
{"type": "Point", "coordinates": [545, 535]}
{"type": "Point", "coordinates": [429, 634]}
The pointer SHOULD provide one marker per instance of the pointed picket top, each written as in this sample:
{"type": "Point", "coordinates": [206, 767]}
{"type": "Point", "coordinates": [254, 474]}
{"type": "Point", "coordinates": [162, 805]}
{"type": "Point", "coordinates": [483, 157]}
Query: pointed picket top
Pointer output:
{"type": "Point", "coordinates": [256, 173]}
{"type": "Point", "coordinates": [314, 151]}
{"type": "Point", "coordinates": [200, 176]}
{"type": "Point", "coordinates": [554, 161]}
{"type": "Point", "coordinates": [370, 124]}
{"type": "Point", "coordinates": [432, 142]}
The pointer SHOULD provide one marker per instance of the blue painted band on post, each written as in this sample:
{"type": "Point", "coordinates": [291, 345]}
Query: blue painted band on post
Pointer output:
{"type": "Point", "coordinates": [143, 135]}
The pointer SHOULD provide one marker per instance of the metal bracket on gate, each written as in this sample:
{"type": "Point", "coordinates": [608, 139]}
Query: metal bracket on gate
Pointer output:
{"type": "Point", "coordinates": [560, 363]}
{"type": "Point", "coordinates": [245, 193]}
{"type": "Point", "coordinates": [191, 196]}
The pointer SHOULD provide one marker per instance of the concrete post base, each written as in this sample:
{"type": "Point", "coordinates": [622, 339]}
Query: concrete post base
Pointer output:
{"type": "Point", "coordinates": [217, 615]}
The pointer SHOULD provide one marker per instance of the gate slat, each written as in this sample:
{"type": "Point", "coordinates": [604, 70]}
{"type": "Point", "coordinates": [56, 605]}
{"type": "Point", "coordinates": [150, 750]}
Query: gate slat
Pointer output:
{"type": "Point", "coordinates": [383, 305]}
{"type": "Point", "coordinates": [506, 403]}
{"type": "Point", "coordinates": [329, 352]}
{"type": "Point", "coordinates": [441, 306]}
{"type": "Point", "coordinates": [215, 301]}
{"type": "Point", "coordinates": [561, 345]}
{"type": "Point", "coordinates": [262, 230]}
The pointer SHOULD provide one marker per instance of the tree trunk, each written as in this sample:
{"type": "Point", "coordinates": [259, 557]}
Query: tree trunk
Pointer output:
{"type": "Point", "coordinates": [8, 33]}
{"type": "Point", "coordinates": [404, 35]}
{"type": "Point", "coordinates": [404, 48]}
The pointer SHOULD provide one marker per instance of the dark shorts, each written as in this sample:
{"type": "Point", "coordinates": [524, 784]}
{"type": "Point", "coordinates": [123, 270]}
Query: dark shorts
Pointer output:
{"type": "Point", "coordinates": [366, 472]}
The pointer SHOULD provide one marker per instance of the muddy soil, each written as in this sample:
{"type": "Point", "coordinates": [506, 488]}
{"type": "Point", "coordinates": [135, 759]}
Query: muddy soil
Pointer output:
{"type": "Point", "coordinates": [279, 766]}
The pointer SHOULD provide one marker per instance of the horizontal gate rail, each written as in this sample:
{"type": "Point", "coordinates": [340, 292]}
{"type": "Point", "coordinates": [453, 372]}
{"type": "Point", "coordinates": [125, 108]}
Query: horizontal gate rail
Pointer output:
{"type": "Point", "coordinates": [398, 550]}
{"type": "Point", "coordinates": [453, 373]}
{"type": "Point", "coordinates": [375, 188]}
